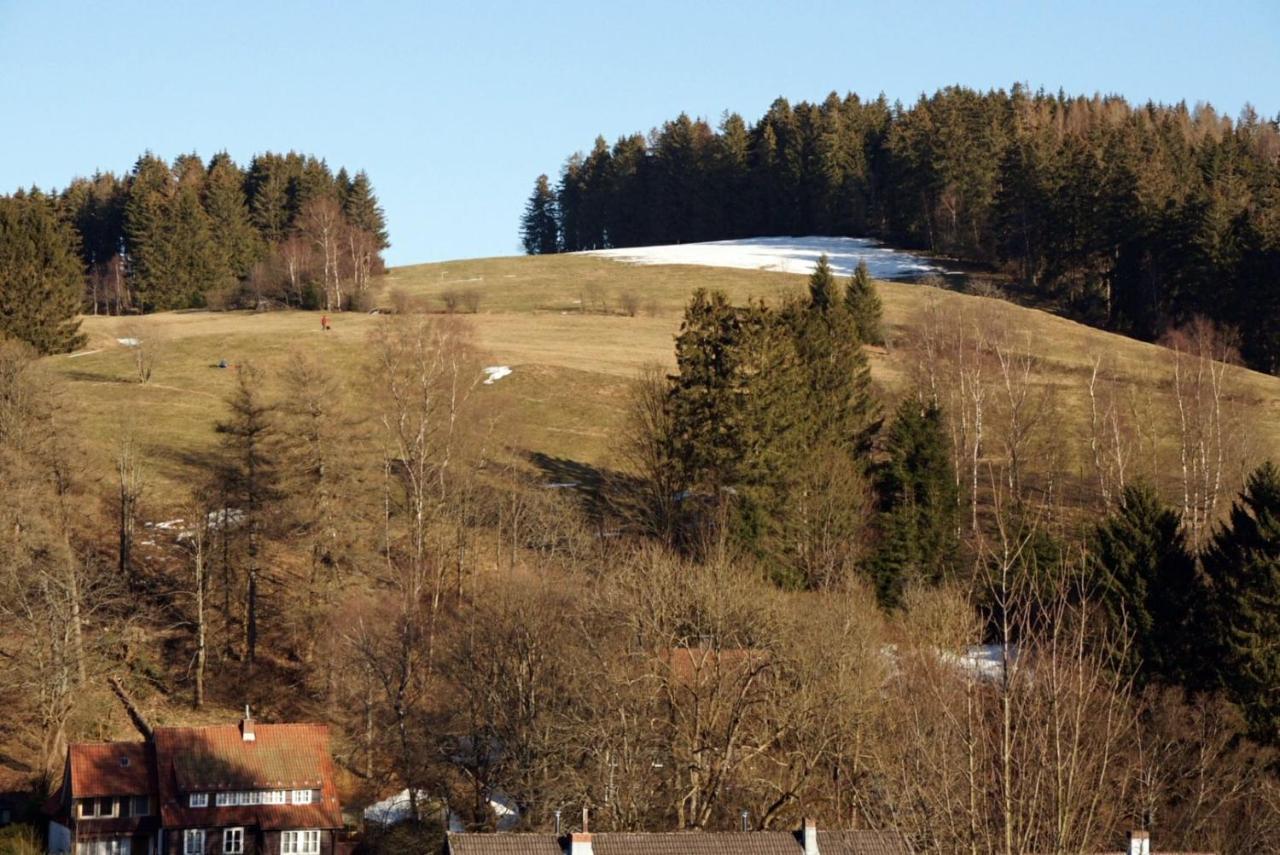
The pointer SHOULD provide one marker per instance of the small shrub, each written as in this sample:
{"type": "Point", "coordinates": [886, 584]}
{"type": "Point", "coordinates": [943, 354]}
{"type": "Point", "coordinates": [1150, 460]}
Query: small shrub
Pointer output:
{"type": "Point", "coordinates": [629, 303]}
{"type": "Point", "coordinates": [452, 300]}
{"type": "Point", "coordinates": [471, 300]}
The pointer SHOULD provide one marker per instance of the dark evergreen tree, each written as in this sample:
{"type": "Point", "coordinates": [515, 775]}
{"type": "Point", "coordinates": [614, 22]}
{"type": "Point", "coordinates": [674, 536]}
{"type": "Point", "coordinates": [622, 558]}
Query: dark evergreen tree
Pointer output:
{"type": "Point", "coordinates": [822, 286]}
{"type": "Point", "coordinates": [40, 275]}
{"type": "Point", "coordinates": [1147, 582]}
{"type": "Point", "coordinates": [863, 304]}
{"type": "Point", "coordinates": [237, 242]}
{"type": "Point", "coordinates": [919, 504]}
{"type": "Point", "coordinates": [1243, 566]}
{"type": "Point", "coordinates": [539, 229]}
{"type": "Point", "coordinates": [147, 231]}
{"type": "Point", "coordinates": [363, 211]}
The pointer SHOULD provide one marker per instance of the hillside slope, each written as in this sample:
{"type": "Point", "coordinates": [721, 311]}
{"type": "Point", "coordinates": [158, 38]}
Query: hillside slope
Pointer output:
{"type": "Point", "coordinates": [563, 324]}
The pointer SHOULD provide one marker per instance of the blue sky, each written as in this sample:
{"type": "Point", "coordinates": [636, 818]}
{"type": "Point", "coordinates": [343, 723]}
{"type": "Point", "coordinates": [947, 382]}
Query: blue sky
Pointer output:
{"type": "Point", "coordinates": [454, 109]}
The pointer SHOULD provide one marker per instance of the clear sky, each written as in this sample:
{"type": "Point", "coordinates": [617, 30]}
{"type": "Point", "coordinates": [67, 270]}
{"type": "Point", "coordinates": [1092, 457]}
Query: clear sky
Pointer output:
{"type": "Point", "coordinates": [454, 108]}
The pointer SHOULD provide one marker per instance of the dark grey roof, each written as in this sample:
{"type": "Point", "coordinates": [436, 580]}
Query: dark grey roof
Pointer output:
{"type": "Point", "coordinates": [682, 843]}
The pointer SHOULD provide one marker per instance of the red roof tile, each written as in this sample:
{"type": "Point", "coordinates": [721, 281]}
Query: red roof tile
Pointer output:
{"type": "Point", "coordinates": [214, 759]}
{"type": "Point", "coordinates": [110, 769]}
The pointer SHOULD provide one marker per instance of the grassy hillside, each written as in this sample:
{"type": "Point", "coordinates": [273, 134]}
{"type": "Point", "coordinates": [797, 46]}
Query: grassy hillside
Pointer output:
{"type": "Point", "coordinates": [558, 321]}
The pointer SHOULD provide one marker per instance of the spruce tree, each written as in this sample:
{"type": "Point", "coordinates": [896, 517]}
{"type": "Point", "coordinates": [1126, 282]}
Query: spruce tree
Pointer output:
{"type": "Point", "coordinates": [1243, 566]}
{"type": "Point", "coordinates": [1148, 584]}
{"type": "Point", "coordinates": [918, 504]}
{"type": "Point", "coordinates": [360, 205]}
{"type": "Point", "coordinates": [539, 227]}
{"type": "Point", "coordinates": [863, 305]}
{"type": "Point", "coordinates": [197, 261]}
{"type": "Point", "coordinates": [146, 225]}
{"type": "Point", "coordinates": [238, 243]}
{"type": "Point", "coordinates": [822, 285]}
{"type": "Point", "coordinates": [41, 278]}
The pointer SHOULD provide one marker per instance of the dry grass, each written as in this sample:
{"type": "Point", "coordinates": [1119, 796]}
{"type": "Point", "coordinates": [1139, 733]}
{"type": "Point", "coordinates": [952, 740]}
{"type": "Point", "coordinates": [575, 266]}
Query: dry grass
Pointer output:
{"type": "Point", "coordinates": [565, 396]}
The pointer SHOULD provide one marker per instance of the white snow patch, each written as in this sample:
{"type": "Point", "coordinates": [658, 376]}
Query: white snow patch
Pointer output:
{"type": "Point", "coordinates": [783, 254]}
{"type": "Point", "coordinates": [984, 661]}
{"type": "Point", "coordinates": [494, 373]}
{"type": "Point", "coordinates": [396, 809]}
{"type": "Point", "coordinates": [129, 342]}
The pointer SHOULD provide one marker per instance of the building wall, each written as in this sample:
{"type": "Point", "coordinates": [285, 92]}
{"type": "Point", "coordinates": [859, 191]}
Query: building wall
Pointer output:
{"type": "Point", "coordinates": [256, 842]}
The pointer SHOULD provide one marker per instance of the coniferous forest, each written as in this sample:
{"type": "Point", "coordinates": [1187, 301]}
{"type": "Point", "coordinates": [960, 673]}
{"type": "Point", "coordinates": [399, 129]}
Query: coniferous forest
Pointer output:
{"type": "Point", "coordinates": [1134, 218]}
{"type": "Point", "coordinates": [286, 231]}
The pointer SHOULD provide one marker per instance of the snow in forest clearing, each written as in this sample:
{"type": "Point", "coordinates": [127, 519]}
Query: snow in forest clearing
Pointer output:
{"type": "Point", "coordinates": [784, 254]}
{"type": "Point", "coordinates": [494, 373]}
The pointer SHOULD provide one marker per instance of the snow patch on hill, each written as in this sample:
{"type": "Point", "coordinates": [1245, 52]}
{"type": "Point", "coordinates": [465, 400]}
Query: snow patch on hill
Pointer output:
{"type": "Point", "coordinates": [784, 254]}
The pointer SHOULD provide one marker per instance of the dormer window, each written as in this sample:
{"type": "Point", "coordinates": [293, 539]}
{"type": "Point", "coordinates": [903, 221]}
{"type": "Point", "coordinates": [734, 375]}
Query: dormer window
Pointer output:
{"type": "Point", "coordinates": [301, 797]}
{"type": "Point", "coordinates": [124, 762]}
{"type": "Point", "coordinates": [198, 800]}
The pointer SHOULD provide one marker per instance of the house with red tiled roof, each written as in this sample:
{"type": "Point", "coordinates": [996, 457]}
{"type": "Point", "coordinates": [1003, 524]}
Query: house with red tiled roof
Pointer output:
{"type": "Point", "coordinates": [246, 789]}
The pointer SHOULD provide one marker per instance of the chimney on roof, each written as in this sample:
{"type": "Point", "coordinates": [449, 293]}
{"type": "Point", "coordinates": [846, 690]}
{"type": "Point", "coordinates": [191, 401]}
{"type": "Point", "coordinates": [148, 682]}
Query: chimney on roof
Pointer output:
{"type": "Point", "coordinates": [810, 837]}
{"type": "Point", "coordinates": [1139, 843]}
{"type": "Point", "coordinates": [580, 841]}
{"type": "Point", "coordinates": [246, 726]}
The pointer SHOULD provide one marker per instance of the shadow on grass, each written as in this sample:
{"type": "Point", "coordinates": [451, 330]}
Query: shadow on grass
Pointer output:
{"type": "Point", "coordinates": [603, 493]}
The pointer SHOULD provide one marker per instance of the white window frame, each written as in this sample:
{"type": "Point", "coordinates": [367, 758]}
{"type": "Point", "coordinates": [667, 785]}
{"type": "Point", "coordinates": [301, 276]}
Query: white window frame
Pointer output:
{"type": "Point", "coordinates": [115, 808]}
{"type": "Point", "coordinates": [193, 836]}
{"type": "Point", "coordinates": [198, 800]}
{"type": "Point", "coordinates": [224, 799]}
{"type": "Point", "coordinates": [300, 797]}
{"type": "Point", "coordinates": [233, 841]}
{"type": "Point", "coordinates": [145, 801]}
{"type": "Point", "coordinates": [305, 842]}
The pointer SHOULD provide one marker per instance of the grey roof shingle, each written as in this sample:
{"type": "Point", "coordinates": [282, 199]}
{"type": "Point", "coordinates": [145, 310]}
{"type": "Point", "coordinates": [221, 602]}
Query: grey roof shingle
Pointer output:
{"type": "Point", "coordinates": [682, 843]}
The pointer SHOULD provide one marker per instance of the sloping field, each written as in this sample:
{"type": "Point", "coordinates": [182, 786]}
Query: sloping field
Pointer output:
{"type": "Point", "coordinates": [564, 325]}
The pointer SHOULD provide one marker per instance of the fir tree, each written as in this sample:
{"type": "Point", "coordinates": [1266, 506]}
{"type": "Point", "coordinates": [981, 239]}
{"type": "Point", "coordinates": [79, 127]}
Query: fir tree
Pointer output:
{"type": "Point", "coordinates": [1243, 565]}
{"type": "Point", "coordinates": [539, 229]}
{"type": "Point", "coordinates": [822, 285]}
{"type": "Point", "coordinates": [1148, 582]}
{"type": "Point", "coordinates": [146, 224]}
{"type": "Point", "coordinates": [863, 305]}
{"type": "Point", "coordinates": [918, 504]}
{"type": "Point", "coordinates": [40, 275]}
{"type": "Point", "coordinates": [238, 243]}
{"type": "Point", "coordinates": [360, 205]}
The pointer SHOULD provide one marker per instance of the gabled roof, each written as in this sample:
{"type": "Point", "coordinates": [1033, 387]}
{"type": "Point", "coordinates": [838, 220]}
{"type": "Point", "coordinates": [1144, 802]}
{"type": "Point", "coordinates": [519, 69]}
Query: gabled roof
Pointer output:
{"type": "Point", "coordinates": [209, 759]}
{"type": "Point", "coordinates": [683, 843]}
{"type": "Point", "coordinates": [110, 769]}
{"type": "Point", "coordinates": [218, 759]}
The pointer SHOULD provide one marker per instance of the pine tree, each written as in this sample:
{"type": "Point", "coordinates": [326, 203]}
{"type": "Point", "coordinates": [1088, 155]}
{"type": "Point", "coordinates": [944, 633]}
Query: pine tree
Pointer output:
{"type": "Point", "coordinates": [1148, 583]}
{"type": "Point", "coordinates": [863, 305]}
{"type": "Point", "coordinates": [1243, 566]}
{"type": "Point", "coordinates": [41, 277]}
{"type": "Point", "coordinates": [197, 263]}
{"type": "Point", "coordinates": [539, 227]}
{"type": "Point", "coordinates": [822, 285]}
{"type": "Point", "coordinates": [146, 223]}
{"type": "Point", "coordinates": [360, 205]}
{"type": "Point", "coordinates": [918, 504]}
{"type": "Point", "coordinates": [707, 433]}
{"type": "Point", "coordinates": [267, 188]}
{"type": "Point", "coordinates": [238, 243]}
